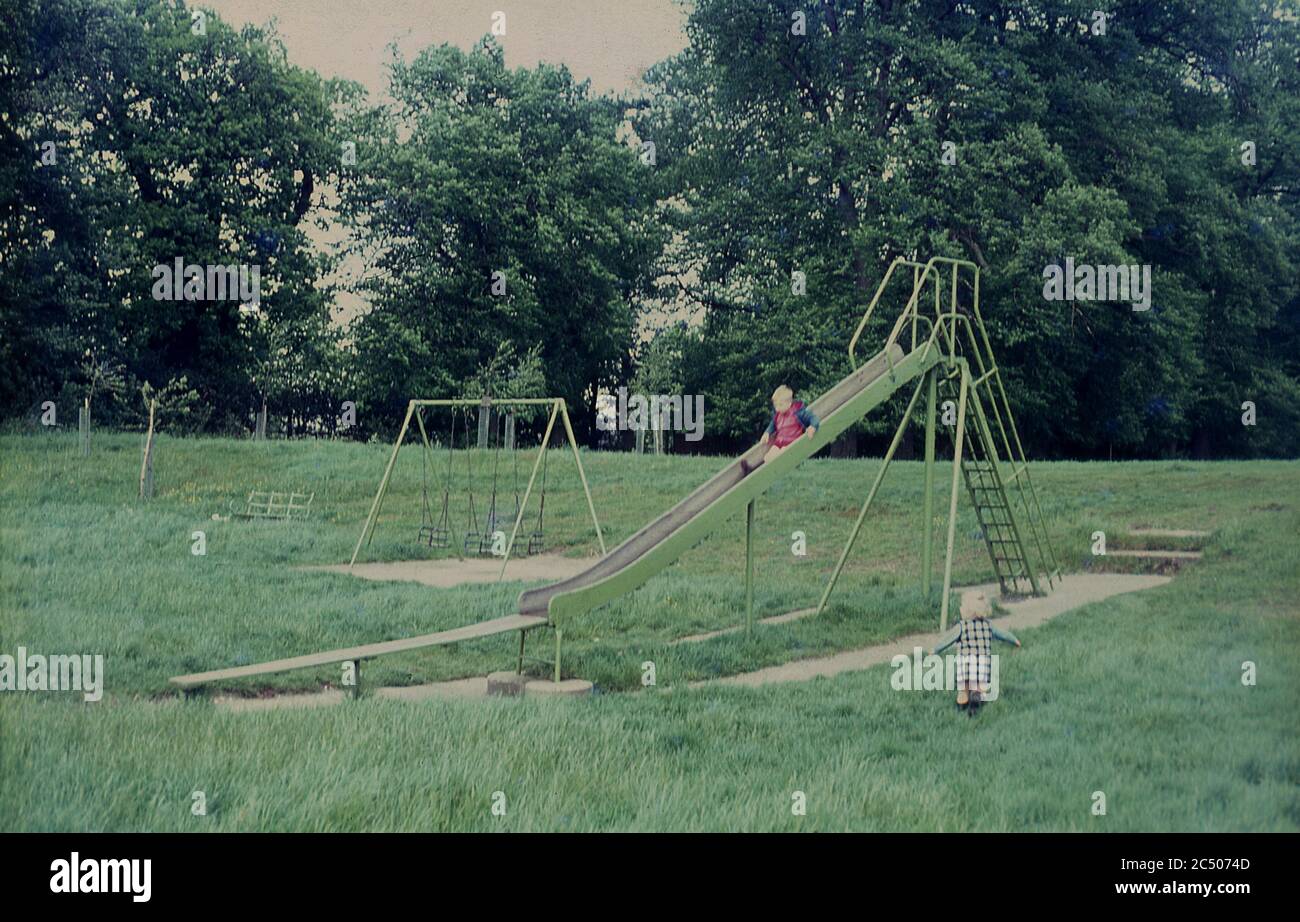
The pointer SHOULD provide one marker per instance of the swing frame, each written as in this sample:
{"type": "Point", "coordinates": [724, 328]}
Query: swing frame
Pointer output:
{"type": "Point", "coordinates": [559, 412]}
{"type": "Point", "coordinates": [439, 532]}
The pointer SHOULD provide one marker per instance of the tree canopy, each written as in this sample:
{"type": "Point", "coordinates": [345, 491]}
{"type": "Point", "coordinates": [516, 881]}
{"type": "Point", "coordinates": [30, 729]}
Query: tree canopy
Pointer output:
{"type": "Point", "coordinates": [511, 234]}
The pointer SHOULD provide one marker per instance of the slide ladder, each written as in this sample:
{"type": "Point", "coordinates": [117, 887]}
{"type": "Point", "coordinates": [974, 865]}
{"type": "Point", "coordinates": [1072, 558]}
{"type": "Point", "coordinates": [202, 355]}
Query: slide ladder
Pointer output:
{"type": "Point", "coordinates": [994, 467]}
{"type": "Point", "coordinates": [999, 524]}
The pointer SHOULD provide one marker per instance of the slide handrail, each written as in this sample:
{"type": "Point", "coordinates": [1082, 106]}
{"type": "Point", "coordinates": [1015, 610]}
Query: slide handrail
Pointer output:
{"type": "Point", "coordinates": [920, 274]}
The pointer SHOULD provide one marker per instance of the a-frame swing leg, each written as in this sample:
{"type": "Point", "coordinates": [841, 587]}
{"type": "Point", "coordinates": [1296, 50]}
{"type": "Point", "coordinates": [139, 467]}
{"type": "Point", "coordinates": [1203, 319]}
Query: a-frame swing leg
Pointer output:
{"type": "Point", "coordinates": [368, 528]}
{"type": "Point", "coordinates": [582, 475]}
{"type": "Point", "coordinates": [958, 437]}
{"type": "Point", "coordinates": [866, 504]}
{"type": "Point", "coordinates": [528, 491]}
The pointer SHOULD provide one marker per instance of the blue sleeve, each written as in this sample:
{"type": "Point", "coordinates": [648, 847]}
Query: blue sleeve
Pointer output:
{"type": "Point", "coordinates": [771, 426]}
{"type": "Point", "coordinates": [809, 418]}
{"type": "Point", "coordinates": [948, 639]}
{"type": "Point", "coordinates": [1004, 636]}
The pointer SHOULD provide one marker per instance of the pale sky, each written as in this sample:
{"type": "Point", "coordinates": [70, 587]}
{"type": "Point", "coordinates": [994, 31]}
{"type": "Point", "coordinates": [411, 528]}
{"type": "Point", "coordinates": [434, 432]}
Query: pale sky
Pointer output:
{"type": "Point", "coordinates": [610, 42]}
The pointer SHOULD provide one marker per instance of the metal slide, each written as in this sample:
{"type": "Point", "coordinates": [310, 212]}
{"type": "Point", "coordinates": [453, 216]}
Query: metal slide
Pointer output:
{"type": "Point", "coordinates": [679, 529]}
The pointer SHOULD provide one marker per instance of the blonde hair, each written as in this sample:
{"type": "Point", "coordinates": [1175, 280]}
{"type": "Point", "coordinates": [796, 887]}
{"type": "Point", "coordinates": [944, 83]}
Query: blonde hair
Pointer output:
{"type": "Point", "coordinates": [975, 604]}
{"type": "Point", "coordinates": [782, 394]}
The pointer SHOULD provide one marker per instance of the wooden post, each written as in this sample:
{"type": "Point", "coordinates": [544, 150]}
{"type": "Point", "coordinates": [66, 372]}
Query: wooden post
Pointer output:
{"type": "Point", "coordinates": [259, 431]}
{"type": "Point", "coordinates": [83, 426]}
{"type": "Point", "coordinates": [510, 432]}
{"type": "Point", "coordinates": [146, 464]}
{"type": "Point", "coordinates": [484, 421]}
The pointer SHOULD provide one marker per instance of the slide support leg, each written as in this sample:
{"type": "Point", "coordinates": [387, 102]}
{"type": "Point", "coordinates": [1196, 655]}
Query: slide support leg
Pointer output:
{"type": "Point", "coordinates": [749, 566]}
{"type": "Point", "coordinates": [866, 504]}
{"type": "Point", "coordinates": [368, 529]}
{"type": "Point", "coordinates": [956, 485]}
{"type": "Point", "coordinates": [927, 530]}
{"type": "Point", "coordinates": [355, 690]}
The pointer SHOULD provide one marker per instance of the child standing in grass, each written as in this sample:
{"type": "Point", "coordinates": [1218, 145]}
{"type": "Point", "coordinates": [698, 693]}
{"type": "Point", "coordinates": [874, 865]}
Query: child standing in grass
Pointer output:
{"type": "Point", "coordinates": [791, 421]}
{"type": "Point", "coordinates": [974, 635]}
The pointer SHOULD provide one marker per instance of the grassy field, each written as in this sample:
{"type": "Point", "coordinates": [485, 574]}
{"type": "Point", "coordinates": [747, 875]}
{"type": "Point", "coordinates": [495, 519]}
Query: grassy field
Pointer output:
{"type": "Point", "coordinates": [1139, 696]}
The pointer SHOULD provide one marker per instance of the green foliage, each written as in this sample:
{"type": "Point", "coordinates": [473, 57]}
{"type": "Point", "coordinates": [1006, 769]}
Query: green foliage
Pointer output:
{"type": "Point", "coordinates": [823, 153]}
{"type": "Point", "coordinates": [175, 405]}
{"type": "Point", "coordinates": [476, 169]}
{"type": "Point", "coordinates": [507, 375]}
{"type": "Point", "coordinates": [1011, 135]}
{"type": "Point", "coordinates": [167, 144]}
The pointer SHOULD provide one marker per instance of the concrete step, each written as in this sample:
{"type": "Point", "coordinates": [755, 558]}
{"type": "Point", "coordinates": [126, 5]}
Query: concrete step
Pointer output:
{"type": "Point", "coordinates": [1168, 533]}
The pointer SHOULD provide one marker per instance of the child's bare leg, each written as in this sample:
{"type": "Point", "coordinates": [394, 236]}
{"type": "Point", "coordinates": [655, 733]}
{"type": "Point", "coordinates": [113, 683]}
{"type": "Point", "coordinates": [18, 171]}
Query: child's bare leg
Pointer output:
{"type": "Point", "coordinates": [773, 453]}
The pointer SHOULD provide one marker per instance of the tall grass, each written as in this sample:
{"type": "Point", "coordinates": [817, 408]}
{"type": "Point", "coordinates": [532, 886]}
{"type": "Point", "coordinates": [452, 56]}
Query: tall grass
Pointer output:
{"type": "Point", "coordinates": [1139, 697]}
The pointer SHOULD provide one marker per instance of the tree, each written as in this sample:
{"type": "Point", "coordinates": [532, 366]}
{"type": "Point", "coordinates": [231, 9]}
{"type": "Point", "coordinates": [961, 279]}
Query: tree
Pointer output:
{"type": "Point", "coordinates": [1011, 135]}
{"type": "Point", "coordinates": [169, 141]}
{"type": "Point", "coordinates": [494, 206]}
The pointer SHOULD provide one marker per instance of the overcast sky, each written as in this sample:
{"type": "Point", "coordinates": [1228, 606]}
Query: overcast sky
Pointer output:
{"type": "Point", "coordinates": [610, 42]}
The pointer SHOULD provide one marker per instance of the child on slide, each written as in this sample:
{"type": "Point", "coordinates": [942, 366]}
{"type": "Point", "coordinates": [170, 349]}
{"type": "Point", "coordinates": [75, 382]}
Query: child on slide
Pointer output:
{"type": "Point", "coordinates": [974, 635]}
{"type": "Point", "coordinates": [791, 421]}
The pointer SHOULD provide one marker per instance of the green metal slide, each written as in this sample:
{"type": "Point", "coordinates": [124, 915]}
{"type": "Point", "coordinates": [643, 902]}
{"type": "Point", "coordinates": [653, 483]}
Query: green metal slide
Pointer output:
{"type": "Point", "coordinates": [726, 494]}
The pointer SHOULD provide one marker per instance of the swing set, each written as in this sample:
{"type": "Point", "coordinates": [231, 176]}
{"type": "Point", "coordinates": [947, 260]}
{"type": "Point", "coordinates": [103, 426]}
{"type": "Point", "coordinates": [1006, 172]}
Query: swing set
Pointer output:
{"type": "Point", "coordinates": [480, 536]}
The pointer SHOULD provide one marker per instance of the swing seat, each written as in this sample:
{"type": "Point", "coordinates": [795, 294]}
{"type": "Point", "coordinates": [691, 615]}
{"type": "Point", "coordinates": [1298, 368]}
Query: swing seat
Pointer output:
{"type": "Point", "coordinates": [536, 543]}
{"type": "Point", "coordinates": [434, 536]}
{"type": "Point", "coordinates": [486, 539]}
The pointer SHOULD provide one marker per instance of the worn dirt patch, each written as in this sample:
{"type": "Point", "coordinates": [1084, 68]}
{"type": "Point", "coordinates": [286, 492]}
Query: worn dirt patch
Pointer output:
{"type": "Point", "coordinates": [446, 573]}
{"type": "Point", "coordinates": [1075, 590]}
{"type": "Point", "coordinates": [771, 619]}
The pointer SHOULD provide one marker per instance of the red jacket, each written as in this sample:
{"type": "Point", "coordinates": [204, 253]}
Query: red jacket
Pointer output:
{"type": "Point", "coordinates": [789, 425]}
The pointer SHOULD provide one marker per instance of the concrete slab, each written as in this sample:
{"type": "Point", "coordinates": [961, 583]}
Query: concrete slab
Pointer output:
{"type": "Point", "coordinates": [570, 688]}
{"type": "Point", "coordinates": [508, 684]}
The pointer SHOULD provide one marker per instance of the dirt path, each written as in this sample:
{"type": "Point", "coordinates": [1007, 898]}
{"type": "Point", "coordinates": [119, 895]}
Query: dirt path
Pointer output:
{"type": "Point", "coordinates": [771, 619]}
{"type": "Point", "coordinates": [452, 572]}
{"type": "Point", "coordinates": [474, 687]}
{"type": "Point", "coordinates": [1075, 590]}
